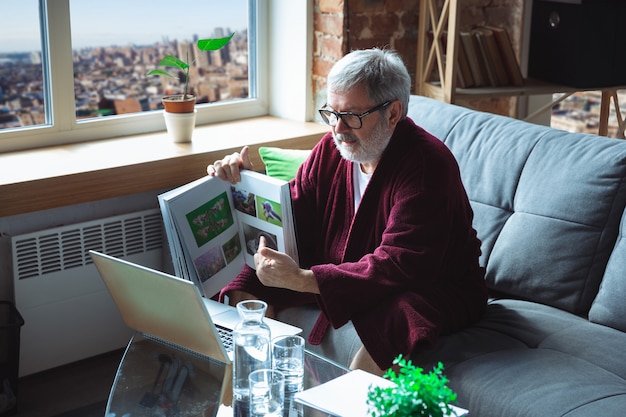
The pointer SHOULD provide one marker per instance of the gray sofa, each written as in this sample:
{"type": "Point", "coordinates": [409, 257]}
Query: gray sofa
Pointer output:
{"type": "Point", "coordinates": [549, 209]}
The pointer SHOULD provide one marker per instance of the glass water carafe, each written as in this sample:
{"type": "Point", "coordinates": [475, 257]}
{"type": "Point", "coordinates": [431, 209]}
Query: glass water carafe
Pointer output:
{"type": "Point", "coordinates": [251, 339]}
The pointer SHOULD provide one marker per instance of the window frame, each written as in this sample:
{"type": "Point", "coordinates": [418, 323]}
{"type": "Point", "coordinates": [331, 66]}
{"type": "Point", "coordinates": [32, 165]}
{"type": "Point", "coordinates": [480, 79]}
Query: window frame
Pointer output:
{"type": "Point", "coordinates": [62, 127]}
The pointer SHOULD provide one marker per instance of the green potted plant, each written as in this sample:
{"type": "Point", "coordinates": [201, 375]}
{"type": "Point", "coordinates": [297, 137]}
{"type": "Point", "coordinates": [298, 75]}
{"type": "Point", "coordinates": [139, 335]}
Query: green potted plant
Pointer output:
{"type": "Point", "coordinates": [415, 393]}
{"type": "Point", "coordinates": [180, 112]}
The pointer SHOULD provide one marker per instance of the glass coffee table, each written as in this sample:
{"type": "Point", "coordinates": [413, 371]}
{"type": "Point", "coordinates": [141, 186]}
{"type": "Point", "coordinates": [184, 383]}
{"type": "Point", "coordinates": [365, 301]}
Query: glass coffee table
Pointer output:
{"type": "Point", "coordinates": [156, 379]}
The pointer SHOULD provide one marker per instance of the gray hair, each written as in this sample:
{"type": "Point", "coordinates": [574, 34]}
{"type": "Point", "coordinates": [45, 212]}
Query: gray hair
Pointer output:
{"type": "Point", "coordinates": [381, 71]}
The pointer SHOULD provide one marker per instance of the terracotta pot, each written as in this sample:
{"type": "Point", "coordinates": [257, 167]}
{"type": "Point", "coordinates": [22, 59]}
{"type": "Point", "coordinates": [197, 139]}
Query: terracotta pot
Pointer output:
{"type": "Point", "coordinates": [175, 103]}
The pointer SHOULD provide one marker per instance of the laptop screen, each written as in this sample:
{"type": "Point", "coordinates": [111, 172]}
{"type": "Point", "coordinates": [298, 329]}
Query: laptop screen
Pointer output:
{"type": "Point", "coordinates": [161, 305]}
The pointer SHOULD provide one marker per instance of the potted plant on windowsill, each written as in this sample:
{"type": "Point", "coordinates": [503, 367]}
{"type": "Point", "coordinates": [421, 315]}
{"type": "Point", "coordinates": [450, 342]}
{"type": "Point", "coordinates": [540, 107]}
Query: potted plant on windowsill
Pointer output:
{"type": "Point", "coordinates": [179, 109]}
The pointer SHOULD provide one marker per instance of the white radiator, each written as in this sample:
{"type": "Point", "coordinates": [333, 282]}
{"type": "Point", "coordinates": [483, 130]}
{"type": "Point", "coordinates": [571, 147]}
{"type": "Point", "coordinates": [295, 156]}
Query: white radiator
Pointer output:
{"type": "Point", "coordinates": [68, 312]}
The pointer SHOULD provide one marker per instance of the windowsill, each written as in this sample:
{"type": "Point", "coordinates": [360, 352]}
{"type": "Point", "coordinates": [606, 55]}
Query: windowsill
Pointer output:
{"type": "Point", "coordinates": [42, 179]}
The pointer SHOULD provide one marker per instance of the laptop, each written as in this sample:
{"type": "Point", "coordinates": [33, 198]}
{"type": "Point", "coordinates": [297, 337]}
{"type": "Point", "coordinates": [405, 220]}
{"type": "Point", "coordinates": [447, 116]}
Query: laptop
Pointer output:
{"type": "Point", "coordinates": [172, 309]}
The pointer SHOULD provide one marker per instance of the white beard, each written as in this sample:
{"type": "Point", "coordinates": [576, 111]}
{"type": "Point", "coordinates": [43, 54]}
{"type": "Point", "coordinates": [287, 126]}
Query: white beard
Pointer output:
{"type": "Point", "coordinates": [365, 152]}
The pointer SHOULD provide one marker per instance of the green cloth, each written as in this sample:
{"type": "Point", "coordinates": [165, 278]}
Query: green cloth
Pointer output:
{"type": "Point", "coordinates": [282, 163]}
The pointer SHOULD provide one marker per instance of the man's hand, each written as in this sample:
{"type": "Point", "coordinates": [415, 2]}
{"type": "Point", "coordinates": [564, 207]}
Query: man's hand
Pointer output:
{"type": "Point", "coordinates": [230, 167]}
{"type": "Point", "coordinates": [277, 269]}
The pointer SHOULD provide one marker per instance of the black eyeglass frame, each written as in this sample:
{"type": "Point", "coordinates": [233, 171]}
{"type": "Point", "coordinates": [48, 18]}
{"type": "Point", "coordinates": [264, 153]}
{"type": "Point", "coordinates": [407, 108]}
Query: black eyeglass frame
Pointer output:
{"type": "Point", "coordinates": [340, 114]}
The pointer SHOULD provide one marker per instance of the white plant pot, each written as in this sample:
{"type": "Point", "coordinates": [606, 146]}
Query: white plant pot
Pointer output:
{"type": "Point", "coordinates": [180, 125]}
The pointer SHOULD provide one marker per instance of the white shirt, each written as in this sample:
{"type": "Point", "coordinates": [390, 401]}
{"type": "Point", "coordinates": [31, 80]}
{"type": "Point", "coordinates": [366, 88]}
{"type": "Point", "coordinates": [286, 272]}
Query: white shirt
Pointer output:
{"type": "Point", "coordinates": [361, 179]}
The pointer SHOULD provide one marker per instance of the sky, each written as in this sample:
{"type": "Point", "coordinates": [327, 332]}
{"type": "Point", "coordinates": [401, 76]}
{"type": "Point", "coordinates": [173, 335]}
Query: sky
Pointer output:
{"type": "Point", "coordinates": [120, 22]}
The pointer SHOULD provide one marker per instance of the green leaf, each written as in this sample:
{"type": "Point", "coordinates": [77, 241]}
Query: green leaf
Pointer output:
{"type": "Point", "coordinates": [172, 61]}
{"type": "Point", "coordinates": [213, 44]}
{"type": "Point", "coordinates": [160, 72]}
{"type": "Point", "coordinates": [415, 393]}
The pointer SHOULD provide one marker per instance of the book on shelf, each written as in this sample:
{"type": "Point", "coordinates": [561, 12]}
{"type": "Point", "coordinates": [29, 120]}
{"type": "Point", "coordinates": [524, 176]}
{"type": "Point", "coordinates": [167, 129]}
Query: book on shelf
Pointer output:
{"type": "Point", "coordinates": [508, 55]}
{"type": "Point", "coordinates": [482, 64]}
{"type": "Point", "coordinates": [213, 227]}
{"type": "Point", "coordinates": [472, 55]}
{"type": "Point", "coordinates": [491, 57]}
{"type": "Point", "coordinates": [494, 62]}
{"type": "Point", "coordinates": [466, 80]}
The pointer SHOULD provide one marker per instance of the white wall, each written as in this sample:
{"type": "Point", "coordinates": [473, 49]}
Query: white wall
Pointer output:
{"type": "Point", "coordinates": [290, 55]}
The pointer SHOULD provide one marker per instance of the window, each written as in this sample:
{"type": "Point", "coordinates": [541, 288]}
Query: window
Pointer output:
{"type": "Point", "coordinates": [74, 70]}
{"type": "Point", "coordinates": [21, 69]}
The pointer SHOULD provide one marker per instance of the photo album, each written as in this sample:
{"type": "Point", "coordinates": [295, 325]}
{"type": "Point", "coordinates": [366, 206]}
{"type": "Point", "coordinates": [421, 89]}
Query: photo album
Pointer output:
{"type": "Point", "coordinates": [213, 227]}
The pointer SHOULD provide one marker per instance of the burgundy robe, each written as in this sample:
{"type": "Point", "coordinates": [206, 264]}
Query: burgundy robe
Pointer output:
{"type": "Point", "coordinates": [403, 268]}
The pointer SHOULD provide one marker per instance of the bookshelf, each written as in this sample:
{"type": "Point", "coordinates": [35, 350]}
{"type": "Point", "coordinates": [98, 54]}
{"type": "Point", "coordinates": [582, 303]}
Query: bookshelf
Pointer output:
{"type": "Point", "coordinates": [438, 53]}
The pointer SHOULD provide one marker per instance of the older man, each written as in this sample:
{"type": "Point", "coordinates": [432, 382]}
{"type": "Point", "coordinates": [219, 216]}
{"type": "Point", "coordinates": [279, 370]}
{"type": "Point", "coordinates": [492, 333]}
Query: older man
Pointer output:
{"type": "Point", "coordinates": [384, 224]}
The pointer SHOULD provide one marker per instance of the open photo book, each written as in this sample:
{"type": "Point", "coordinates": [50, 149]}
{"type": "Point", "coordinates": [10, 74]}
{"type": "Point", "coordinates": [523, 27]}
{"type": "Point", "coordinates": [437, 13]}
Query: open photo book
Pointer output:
{"type": "Point", "coordinates": [213, 227]}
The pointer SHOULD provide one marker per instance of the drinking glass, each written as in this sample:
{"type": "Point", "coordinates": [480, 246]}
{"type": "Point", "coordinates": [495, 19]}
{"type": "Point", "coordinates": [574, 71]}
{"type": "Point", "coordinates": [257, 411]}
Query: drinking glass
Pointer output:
{"type": "Point", "coordinates": [267, 393]}
{"type": "Point", "coordinates": [288, 358]}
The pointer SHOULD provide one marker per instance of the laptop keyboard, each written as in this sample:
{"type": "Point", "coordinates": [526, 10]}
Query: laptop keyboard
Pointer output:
{"type": "Point", "coordinates": [227, 337]}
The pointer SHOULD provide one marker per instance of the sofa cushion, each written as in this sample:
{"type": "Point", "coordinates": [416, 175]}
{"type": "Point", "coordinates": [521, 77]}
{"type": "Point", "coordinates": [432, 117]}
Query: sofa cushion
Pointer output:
{"type": "Point", "coordinates": [282, 163]}
{"type": "Point", "coordinates": [528, 359]}
{"type": "Point", "coordinates": [609, 307]}
{"type": "Point", "coordinates": [547, 203]}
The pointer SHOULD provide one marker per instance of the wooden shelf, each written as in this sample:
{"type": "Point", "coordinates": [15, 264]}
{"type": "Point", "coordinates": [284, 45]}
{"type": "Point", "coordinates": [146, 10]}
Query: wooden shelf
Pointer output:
{"type": "Point", "coordinates": [444, 25]}
{"type": "Point", "coordinates": [531, 87]}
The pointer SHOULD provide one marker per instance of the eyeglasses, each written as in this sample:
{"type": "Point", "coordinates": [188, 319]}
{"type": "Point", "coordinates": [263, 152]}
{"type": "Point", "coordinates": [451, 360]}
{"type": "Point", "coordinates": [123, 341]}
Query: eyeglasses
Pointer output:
{"type": "Point", "coordinates": [352, 120]}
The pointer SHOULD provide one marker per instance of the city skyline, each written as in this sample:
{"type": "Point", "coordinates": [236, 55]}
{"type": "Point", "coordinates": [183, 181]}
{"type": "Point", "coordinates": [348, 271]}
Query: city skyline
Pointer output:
{"type": "Point", "coordinates": [111, 79]}
{"type": "Point", "coordinates": [98, 24]}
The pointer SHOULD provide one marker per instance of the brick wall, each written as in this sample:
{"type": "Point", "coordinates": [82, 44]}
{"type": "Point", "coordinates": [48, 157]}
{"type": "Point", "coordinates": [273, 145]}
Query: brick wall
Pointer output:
{"type": "Point", "coordinates": [344, 25]}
